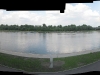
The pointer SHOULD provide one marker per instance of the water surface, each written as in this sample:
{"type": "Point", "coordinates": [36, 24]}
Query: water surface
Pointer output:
{"type": "Point", "coordinates": [49, 43]}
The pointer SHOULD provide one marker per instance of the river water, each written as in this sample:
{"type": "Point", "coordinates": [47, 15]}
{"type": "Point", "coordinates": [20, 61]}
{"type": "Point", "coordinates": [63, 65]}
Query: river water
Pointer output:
{"type": "Point", "coordinates": [49, 42]}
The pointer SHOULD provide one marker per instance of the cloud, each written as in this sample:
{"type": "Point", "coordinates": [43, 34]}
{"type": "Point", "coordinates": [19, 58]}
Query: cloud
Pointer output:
{"type": "Point", "coordinates": [78, 14]}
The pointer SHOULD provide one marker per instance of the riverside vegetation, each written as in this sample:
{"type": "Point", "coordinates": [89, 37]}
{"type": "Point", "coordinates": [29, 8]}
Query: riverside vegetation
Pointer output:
{"type": "Point", "coordinates": [42, 64]}
{"type": "Point", "coordinates": [44, 27]}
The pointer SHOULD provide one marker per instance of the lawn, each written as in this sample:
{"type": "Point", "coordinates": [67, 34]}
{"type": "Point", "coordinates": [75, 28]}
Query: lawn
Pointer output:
{"type": "Point", "coordinates": [42, 64]}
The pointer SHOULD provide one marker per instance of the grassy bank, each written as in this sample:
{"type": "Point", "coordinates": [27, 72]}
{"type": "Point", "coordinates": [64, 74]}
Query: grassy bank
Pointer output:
{"type": "Point", "coordinates": [79, 60]}
{"type": "Point", "coordinates": [42, 64]}
{"type": "Point", "coordinates": [27, 64]}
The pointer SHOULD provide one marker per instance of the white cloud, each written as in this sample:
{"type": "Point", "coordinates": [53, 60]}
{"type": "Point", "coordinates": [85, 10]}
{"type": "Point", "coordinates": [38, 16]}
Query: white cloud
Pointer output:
{"type": "Point", "coordinates": [98, 19]}
{"type": "Point", "coordinates": [1, 12]}
{"type": "Point", "coordinates": [78, 14]}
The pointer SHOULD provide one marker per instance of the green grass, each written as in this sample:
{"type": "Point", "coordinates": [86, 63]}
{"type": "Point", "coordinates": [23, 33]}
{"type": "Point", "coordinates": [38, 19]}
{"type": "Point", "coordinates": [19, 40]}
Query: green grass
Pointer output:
{"type": "Point", "coordinates": [79, 60]}
{"type": "Point", "coordinates": [27, 64]}
{"type": "Point", "coordinates": [34, 64]}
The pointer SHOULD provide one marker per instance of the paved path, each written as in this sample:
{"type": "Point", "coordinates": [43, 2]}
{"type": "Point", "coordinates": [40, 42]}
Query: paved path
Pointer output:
{"type": "Point", "coordinates": [48, 55]}
{"type": "Point", "coordinates": [4, 68]}
{"type": "Point", "coordinates": [92, 67]}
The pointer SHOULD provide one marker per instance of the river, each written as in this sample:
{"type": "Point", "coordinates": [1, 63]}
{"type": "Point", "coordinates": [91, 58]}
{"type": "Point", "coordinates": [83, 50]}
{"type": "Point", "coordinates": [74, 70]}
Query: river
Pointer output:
{"type": "Point", "coordinates": [49, 42]}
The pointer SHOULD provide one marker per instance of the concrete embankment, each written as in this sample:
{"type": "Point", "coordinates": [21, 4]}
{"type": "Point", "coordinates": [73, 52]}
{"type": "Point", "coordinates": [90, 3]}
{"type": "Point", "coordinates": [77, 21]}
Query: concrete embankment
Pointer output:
{"type": "Point", "coordinates": [47, 55]}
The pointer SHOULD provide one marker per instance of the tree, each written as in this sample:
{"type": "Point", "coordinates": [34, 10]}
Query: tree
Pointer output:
{"type": "Point", "coordinates": [44, 27]}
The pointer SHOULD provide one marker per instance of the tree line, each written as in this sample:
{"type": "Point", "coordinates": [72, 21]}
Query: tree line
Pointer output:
{"type": "Point", "coordinates": [44, 27]}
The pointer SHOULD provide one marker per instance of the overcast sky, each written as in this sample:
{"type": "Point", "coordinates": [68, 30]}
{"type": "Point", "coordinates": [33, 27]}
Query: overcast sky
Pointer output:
{"type": "Point", "coordinates": [75, 13]}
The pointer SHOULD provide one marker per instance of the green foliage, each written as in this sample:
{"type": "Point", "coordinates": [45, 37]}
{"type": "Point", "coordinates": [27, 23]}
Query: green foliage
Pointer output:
{"type": "Point", "coordinates": [44, 27]}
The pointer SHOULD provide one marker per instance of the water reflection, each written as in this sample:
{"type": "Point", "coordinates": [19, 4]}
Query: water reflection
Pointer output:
{"type": "Point", "coordinates": [49, 43]}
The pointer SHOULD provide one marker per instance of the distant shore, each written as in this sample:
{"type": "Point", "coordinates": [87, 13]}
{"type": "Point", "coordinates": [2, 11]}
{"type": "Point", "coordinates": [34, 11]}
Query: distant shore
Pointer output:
{"type": "Point", "coordinates": [45, 31]}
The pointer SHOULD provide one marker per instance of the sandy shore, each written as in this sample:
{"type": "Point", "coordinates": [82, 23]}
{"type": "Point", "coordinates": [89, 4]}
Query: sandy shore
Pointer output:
{"type": "Point", "coordinates": [47, 55]}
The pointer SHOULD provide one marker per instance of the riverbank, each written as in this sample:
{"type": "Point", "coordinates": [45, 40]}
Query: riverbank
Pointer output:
{"type": "Point", "coordinates": [47, 31]}
{"type": "Point", "coordinates": [47, 55]}
{"type": "Point", "coordinates": [33, 64]}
